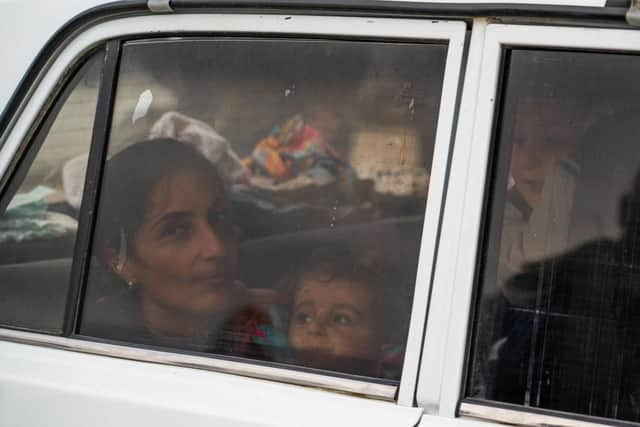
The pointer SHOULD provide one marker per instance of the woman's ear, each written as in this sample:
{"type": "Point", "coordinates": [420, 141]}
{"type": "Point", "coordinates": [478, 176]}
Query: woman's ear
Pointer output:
{"type": "Point", "coordinates": [109, 258]}
{"type": "Point", "coordinates": [112, 259]}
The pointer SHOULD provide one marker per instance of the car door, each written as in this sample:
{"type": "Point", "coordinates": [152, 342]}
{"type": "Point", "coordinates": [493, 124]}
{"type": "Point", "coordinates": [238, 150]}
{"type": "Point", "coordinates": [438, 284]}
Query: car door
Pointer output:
{"type": "Point", "coordinates": [535, 279]}
{"type": "Point", "coordinates": [374, 97]}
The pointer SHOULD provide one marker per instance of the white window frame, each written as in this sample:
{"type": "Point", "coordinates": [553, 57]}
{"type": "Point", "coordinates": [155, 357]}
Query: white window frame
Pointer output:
{"type": "Point", "coordinates": [452, 32]}
{"type": "Point", "coordinates": [444, 359]}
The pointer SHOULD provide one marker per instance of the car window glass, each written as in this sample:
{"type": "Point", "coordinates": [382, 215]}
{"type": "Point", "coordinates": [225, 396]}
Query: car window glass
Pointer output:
{"type": "Point", "coordinates": [39, 223]}
{"type": "Point", "coordinates": [265, 199]}
{"type": "Point", "coordinates": [557, 319]}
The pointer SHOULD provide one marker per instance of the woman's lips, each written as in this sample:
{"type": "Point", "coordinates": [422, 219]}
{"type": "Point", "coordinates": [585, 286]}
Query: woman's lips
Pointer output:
{"type": "Point", "coordinates": [535, 185]}
{"type": "Point", "coordinates": [215, 280]}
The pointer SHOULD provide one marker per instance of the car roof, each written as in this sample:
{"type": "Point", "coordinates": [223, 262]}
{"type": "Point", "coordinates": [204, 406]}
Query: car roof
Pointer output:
{"type": "Point", "coordinates": [25, 29]}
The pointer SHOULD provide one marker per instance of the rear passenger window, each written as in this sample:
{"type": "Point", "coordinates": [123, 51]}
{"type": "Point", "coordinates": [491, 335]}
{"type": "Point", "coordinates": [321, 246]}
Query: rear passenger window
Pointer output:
{"type": "Point", "coordinates": [40, 208]}
{"type": "Point", "coordinates": [558, 318]}
{"type": "Point", "coordinates": [265, 199]}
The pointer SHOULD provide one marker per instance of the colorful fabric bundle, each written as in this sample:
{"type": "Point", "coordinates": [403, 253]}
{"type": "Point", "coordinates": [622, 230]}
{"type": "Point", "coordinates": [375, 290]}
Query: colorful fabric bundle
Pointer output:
{"type": "Point", "coordinates": [296, 149]}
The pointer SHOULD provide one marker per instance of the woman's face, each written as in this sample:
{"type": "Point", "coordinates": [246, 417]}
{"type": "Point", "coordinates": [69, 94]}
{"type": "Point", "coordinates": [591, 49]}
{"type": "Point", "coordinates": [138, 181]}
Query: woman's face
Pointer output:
{"type": "Point", "coordinates": [184, 252]}
{"type": "Point", "coordinates": [333, 318]}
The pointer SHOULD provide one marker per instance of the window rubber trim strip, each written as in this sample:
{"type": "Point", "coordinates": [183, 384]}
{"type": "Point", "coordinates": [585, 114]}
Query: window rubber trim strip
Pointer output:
{"type": "Point", "coordinates": [395, 7]}
{"type": "Point", "coordinates": [286, 375]}
{"type": "Point", "coordinates": [490, 225]}
{"type": "Point", "coordinates": [88, 208]}
{"type": "Point", "coordinates": [509, 414]}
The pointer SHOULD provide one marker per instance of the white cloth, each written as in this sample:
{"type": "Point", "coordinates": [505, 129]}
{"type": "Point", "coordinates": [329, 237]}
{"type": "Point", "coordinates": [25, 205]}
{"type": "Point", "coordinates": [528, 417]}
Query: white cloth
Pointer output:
{"type": "Point", "coordinates": [73, 175]}
{"type": "Point", "coordinates": [174, 125]}
{"type": "Point", "coordinates": [544, 235]}
{"type": "Point", "coordinates": [206, 140]}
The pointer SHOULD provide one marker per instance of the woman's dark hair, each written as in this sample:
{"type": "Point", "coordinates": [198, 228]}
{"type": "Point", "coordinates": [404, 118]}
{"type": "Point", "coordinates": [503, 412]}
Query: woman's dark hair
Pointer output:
{"type": "Point", "coordinates": [129, 179]}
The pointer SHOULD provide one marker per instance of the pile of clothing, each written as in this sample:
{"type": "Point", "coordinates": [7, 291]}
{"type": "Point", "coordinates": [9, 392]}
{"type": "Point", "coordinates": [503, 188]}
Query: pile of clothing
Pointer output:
{"type": "Point", "coordinates": [296, 150]}
{"type": "Point", "coordinates": [27, 218]}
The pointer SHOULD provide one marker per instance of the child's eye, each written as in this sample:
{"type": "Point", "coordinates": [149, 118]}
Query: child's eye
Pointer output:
{"type": "Point", "coordinates": [302, 318]}
{"type": "Point", "coordinates": [342, 319]}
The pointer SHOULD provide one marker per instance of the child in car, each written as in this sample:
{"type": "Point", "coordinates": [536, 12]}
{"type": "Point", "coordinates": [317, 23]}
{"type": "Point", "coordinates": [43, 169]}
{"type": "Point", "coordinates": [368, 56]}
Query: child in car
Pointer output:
{"type": "Point", "coordinates": [344, 314]}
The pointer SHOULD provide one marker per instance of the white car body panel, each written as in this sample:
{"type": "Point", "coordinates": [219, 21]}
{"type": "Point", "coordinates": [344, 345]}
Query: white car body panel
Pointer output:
{"type": "Point", "coordinates": [24, 30]}
{"type": "Point", "coordinates": [45, 386]}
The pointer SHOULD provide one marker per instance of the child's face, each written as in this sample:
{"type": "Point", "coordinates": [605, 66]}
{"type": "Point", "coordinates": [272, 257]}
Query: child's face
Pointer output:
{"type": "Point", "coordinates": [333, 318]}
{"type": "Point", "coordinates": [543, 135]}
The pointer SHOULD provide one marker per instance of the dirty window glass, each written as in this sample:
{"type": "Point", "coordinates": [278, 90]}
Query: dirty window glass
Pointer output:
{"type": "Point", "coordinates": [39, 216]}
{"type": "Point", "coordinates": [558, 320]}
{"type": "Point", "coordinates": [248, 188]}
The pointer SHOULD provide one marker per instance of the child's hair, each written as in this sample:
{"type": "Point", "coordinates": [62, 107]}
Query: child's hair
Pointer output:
{"type": "Point", "coordinates": [368, 269]}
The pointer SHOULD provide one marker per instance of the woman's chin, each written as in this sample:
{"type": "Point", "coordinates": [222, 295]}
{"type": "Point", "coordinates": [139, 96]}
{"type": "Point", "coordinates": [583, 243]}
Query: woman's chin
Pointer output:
{"type": "Point", "coordinates": [215, 301]}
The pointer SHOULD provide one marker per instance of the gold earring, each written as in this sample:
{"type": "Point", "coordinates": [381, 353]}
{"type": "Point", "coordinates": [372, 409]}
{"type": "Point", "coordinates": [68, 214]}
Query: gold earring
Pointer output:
{"type": "Point", "coordinates": [130, 283]}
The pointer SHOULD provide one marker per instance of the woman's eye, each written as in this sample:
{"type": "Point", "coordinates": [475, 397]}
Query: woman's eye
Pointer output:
{"type": "Point", "coordinates": [302, 318]}
{"type": "Point", "coordinates": [342, 319]}
{"type": "Point", "coordinates": [177, 230]}
{"type": "Point", "coordinates": [217, 216]}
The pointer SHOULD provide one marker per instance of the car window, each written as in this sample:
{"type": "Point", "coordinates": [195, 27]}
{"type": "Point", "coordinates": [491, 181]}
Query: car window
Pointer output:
{"type": "Point", "coordinates": [557, 318]}
{"type": "Point", "coordinates": [40, 208]}
{"type": "Point", "coordinates": [264, 198]}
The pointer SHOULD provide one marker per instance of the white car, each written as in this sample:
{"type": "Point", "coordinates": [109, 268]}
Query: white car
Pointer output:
{"type": "Point", "coordinates": [354, 212]}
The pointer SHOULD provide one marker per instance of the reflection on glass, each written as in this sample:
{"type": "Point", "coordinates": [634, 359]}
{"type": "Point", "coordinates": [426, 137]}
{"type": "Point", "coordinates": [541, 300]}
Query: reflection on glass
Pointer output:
{"type": "Point", "coordinates": [38, 222]}
{"type": "Point", "coordinates": [557, 320]}
{"type": "Point", "coordinates": [243, 211]}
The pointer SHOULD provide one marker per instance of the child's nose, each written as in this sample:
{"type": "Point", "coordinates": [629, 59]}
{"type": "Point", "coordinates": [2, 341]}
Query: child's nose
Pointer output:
{"type": "Point", "coordinates": [317, 328]}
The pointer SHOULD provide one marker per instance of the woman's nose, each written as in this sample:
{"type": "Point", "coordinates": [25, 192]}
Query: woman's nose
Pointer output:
{"type": "Point", "coordinates": [211, 242]}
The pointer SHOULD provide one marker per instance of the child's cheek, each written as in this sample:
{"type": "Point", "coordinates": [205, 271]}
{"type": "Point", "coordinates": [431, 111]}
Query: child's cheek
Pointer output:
{"type": "Point", "coordinates": [356, 342]}
{"type": "Point", "coordinates": [295, 338]}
